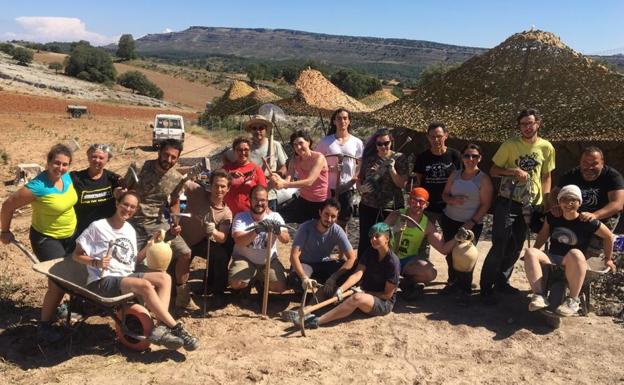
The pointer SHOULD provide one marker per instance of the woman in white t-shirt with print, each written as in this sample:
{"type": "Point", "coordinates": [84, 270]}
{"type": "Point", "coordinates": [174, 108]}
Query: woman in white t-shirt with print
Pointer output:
{"type": "Point", "coordinates": [113, 275]}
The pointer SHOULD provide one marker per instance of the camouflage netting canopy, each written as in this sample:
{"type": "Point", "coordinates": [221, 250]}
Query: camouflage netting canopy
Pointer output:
{"type": "Point", "coordinates": [580, 99]}
{"type": "Point", "coordinates": [379, 99]}
{"type": "Point", "coordinates": [241, 99]}
{"type": "Point", "coordinates": [315, 94]}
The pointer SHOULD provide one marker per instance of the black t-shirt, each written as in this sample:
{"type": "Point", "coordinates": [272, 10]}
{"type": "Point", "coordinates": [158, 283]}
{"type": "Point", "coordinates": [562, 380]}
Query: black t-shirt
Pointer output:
{"type": "Point", "coordinates": [566, 235]}
{"type": "Point", "coordinates": [436, 170]}
{"type": "Point", "coordinates": [378, 272]}
{"type": "Point", "coordinates": [95, 197]}
{"type": "Point", "coordinates": [595, 193]}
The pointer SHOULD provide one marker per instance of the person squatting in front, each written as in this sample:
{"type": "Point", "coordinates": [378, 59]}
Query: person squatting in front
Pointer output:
{"type": "Point", "coordinates": [310, 257]}
{"type": "Point", "coordinates": [250, 232]}
{"type": "Point", "coordinates": [569, 238]}
{"type": "Point", "coordinates": [412, 231]}
{"type": "Point", "coordinates": [111, 273]}
{"type": "Point", "coordinates": [378, 271]}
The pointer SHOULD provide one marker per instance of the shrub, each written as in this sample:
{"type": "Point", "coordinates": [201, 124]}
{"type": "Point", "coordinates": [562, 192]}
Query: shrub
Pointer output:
{"type": "Point", "coordinates": [139, 83]}
{"type": "Point", "coordinates": [23, 56]}
{"type": "Point", "coordinates": [90, 63]}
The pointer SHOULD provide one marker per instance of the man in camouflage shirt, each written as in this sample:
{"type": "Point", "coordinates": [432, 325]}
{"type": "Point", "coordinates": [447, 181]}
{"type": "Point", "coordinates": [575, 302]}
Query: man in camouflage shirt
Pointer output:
{"type": "Point", "coordinates": [157, 180]}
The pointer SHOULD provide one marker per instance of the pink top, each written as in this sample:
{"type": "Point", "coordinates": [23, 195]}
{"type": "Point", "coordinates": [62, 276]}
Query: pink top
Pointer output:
{"type": "Point", "coordinates": [319, 190]}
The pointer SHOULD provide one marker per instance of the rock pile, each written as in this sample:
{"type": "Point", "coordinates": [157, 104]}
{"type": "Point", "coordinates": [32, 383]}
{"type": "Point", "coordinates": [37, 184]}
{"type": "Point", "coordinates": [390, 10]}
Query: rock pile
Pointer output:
{"type": "Point", "coordinates": [379, 99]}
{"type": "Point", "coordinates": [608, 294]}
{"type": "Point", "coordinates": [317, 94]}
{"type": "Point", "coordinates": [580, 99]}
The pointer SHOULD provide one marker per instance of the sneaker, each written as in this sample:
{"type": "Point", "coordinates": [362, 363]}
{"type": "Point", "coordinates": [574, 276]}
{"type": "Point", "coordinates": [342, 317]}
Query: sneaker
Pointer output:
{"type": "Point", "coordinates": [569, 307]}
{"type": "Point", "coordinates": [190, 342]}
{"type": "Point", "coordinates": [48, 333]}
{"type": "Point", "coordinates": [162, 335]}
{"type": "Point", "coordinates": [538, 302]}
{"type": "Point", "coordinates": [183, 298]}
{"type": "Point", "coordinates": [310, 321]}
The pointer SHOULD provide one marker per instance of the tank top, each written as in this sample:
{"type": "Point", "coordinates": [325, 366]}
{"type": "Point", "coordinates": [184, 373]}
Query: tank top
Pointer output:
{"type": "Point", "coordinates": [319, 190]}
{"type": "Point", "coordinates": [411, 238]}
{"type": "Point", "coordinates": [470, 189]}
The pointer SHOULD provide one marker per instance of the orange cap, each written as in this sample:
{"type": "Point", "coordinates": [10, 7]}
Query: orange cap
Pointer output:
{"type": "Point", "coordinates": [420, 192]}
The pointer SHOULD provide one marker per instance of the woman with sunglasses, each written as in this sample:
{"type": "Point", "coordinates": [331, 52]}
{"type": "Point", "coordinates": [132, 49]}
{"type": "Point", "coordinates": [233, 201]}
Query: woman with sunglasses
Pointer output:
{"type": "Point", "coordinates": [382, 178]}
{"type": "Point", "coordinates": [311, 169]}
{"type": "Point", "coordinates": [52, 196]}
{"type": "Point", "coordinates": [468, 196]}
{"type": "Point", "coordinates": [245, 175]}
{"type": "Point", "coordinates": [96, 187]}
{"type": "Point", "coordinates": [377, 271]}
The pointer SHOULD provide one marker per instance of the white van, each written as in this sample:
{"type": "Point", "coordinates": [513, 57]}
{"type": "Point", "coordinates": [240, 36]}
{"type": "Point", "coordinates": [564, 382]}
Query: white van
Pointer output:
{"type": "Point", "coordinates": [167, 127]}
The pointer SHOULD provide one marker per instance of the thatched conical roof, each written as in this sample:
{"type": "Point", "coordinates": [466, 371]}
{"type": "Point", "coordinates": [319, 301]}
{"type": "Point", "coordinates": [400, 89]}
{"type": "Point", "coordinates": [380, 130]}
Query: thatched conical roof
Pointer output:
{"type": "Point", "coordinates": [379, 99]}
{"type": "Point", "coordinates": [246, 104]}
{"type": "Point", "coordinates": [317, 94]}
{"type": "Point", "coordinates": [579, 98]}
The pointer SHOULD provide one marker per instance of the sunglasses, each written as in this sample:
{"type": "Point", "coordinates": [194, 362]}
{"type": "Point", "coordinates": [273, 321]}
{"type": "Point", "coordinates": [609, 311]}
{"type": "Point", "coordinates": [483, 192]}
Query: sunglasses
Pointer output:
{"type": "Point", "coordinates": [471, 156]}
{"type": "Point", "coordinates": [383, 144]}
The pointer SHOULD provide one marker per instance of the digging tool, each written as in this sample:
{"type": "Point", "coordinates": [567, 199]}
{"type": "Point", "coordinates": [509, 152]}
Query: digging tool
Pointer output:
{"type": "Point", "coordinates": [210, 217]}
{"type": "Point", "coordinates": [338, 168]}
{"type": "Point", "coordinates": [274, 114]}
{"type": "Point", "coordinates": [291, 315]}
{"type": "Point", "coordinates": [267, 267]}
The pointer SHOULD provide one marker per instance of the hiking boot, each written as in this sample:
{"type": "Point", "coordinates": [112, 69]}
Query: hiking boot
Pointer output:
{"type": "Point", "coordinates": [450, 289]}
{"type": "Point", "coordinates": [162, 335]}
{"type": "Point", "coordinates": [538, 302]}
{"type": "Point", "coordinates": [48, 333]}
{"type": "Point", "coordinates": [416, 291]}
{"type": "Point", "coordinates": [183, 298]}
{"type": "Point", "coordinates": [569, 307]}
{"type": "Point", "coordinates": [310, 321]}
{"type": "Point", "coordinates": [218, 301]}
{"type": "Point", "coordinates": [190, 342]}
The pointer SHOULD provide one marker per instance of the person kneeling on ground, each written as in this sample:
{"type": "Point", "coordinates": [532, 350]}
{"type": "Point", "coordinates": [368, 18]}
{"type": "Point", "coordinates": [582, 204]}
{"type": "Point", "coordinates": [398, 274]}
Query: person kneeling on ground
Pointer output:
{"type": "Point", "coordinates": [310, 257]}
{"type": "Point", "coordinates": [250, 246]}
{"type": "Point", "coordinates": [113, 275]}
{"type": "Point", "coordinates": [412, 232]}
{"type": "Point", "coordinates": [569, 237]}
{"type": "Point", "coordinates": [378, 269]}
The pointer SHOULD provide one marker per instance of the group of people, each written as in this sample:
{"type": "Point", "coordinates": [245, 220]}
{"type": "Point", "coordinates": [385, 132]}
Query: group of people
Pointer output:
{"type": "Point", "coordinates": [234, 211]}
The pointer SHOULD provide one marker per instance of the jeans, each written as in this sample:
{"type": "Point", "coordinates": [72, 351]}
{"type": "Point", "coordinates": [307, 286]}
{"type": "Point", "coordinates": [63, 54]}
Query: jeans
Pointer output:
{"type": "Point", "coordinates": [217, 264]}
{"type": "Point", "coordinates": [508, 234]}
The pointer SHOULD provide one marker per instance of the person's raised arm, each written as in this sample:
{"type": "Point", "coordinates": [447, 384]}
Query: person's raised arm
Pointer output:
{"type": "Point", "coordinates": [607, 243]}
{"type": "Point", "coordinates": [18, 199]}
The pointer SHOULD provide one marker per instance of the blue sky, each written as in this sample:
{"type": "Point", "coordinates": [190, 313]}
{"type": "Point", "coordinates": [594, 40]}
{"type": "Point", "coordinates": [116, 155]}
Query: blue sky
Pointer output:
{"type": "Point", "coordinates": [591, 27]}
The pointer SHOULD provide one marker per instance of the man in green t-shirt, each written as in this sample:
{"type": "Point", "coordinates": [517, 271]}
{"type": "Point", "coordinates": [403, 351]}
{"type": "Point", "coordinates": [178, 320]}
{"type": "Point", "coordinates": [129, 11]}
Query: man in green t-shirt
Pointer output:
{"type": "Point", "coordinates": [524, 164]}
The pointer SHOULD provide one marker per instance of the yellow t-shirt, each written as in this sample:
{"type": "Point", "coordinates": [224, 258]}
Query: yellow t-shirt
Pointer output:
{"type": "Point", "coordinates": [53, 210]}
{"type": "Point", "coordinates": [535, 158]}
{"type": "Point", "coordinates": [411, 239]}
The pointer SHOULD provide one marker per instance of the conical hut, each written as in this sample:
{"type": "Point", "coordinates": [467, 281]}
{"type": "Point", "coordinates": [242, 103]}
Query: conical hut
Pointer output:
{"type": "Point", "coordinates": [379, 99]}
{"type": "Point", "coordinates": [241, 99]}
{"type": "Point", "coordinates": [315, 94]}
{"type": "Point", "coordinates": [581, 101]}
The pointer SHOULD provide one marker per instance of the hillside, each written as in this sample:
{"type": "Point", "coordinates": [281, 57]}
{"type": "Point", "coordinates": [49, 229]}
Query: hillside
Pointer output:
{"type": "Point", "coordinates": [373, 54]}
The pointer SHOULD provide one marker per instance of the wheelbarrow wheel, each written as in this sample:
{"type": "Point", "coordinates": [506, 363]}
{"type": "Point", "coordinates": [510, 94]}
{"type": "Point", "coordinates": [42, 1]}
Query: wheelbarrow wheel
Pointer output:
{"type": "Point", "coordinates": [138, 320]}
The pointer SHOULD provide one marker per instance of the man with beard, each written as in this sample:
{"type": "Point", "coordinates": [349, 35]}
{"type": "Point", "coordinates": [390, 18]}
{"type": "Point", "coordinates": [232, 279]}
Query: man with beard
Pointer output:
{"type": "Point", "coordinates": [210, 221]}
{"type": "Point", "coordinates": [310, 256]}
{"type": "Point", "coordinates": [250, 246]}
{"type": "Point", "coordinates": [602, 189]}
{"type": "Point", "coordinates": [525, 164]}
{"type": "Point", "coordinates": [157, 180]}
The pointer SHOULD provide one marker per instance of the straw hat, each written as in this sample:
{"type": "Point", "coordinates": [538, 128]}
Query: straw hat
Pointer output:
{"type": "Point", "coordinates": [257, 120]}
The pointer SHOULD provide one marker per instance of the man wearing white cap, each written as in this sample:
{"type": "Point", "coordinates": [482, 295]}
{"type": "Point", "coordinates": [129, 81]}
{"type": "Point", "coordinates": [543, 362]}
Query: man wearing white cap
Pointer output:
{"type": "Point", "coordinates": [258, 126]}
{"type": "Point", "coordinates": [569, 239]}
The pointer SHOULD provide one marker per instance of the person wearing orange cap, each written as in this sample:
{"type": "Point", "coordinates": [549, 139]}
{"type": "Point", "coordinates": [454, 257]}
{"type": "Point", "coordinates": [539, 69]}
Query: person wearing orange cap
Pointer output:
{"type": "Point", "coordinates": [412, 231]}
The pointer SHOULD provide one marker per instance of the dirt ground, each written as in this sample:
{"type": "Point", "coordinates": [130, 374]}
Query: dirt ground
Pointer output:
{"type": "Point", "coordinates": [430, 341]}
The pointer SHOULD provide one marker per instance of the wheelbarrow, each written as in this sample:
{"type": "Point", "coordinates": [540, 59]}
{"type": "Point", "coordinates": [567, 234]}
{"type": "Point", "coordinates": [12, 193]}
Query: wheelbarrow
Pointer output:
{"type": "Point", "coordinates": [133, 322]}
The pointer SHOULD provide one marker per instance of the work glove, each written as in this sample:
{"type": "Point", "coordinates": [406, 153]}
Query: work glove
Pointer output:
{"type": "Point", "coordinates": [210, 227]}
{"type": "Point", "coordinates": [339, 294]}
{"type": "Point", "coordinates": [308, 283]}
{"type": "Point", "coordinates": [330, 284]}
{"type": "Point", "coordinates": [276, 226]}
{"type": "Point", "coordinates": [365, 188]}
{"type": "Point", "coordinates": [357, 289]}
{"type": "Point", "coordinates": [262, 227]}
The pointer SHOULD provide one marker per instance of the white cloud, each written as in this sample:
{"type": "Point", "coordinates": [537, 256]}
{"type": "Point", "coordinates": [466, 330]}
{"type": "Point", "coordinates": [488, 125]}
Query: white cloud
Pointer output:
{"type": "Point", "coordinates": [167, 30]}
{"type": "Point", "coordinates": [45, 29]}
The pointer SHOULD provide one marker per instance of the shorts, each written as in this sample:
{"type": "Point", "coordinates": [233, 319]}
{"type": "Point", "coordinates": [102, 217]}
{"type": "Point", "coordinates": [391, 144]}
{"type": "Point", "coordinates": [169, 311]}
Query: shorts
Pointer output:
{"type": "Point", "coordinates": [381, 306]}
{"type": "Point", "coordinates": [47, 248]}
{"type": "Point", "coordinates": [144, 233]}
{"type": "Point", "coordinates": [346, 205]}
{"type": "Point", "coordinates": [555, 259]}
{"type": "Point", "coordinates": [306, 210]}
{"type": "Point", "coordinates": [110, 286]}
{"type": "Point", "coordinates": [242, 269]}
{"type": "Point", "coordinates": [406, 260]}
